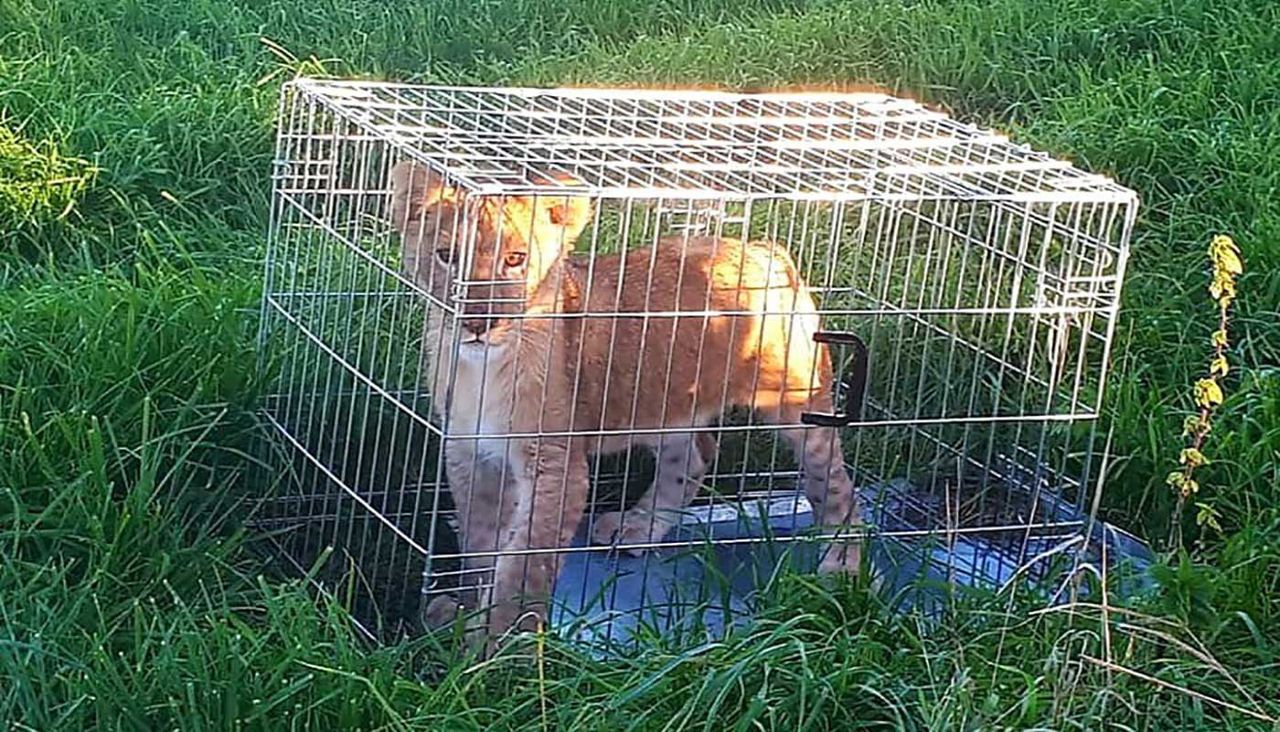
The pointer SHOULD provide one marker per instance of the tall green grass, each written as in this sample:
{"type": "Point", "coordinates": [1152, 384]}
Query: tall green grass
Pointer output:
{"type": "Point", "coordinates": [135, 142]}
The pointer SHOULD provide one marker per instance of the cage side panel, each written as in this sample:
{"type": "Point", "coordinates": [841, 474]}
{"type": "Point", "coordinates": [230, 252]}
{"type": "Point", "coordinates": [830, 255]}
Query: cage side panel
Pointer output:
{"type": "Point", "coordinates": [343, 334]}
{"type": "Point", "coordinates": [987, 326]}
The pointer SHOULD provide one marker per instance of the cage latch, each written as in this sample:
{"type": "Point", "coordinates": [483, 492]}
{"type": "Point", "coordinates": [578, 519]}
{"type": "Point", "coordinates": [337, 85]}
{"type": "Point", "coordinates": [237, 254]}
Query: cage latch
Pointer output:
{"type": "Point", "coordinates": [856, 386]}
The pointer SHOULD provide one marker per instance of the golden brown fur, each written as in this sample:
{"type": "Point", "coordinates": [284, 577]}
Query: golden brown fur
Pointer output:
{"type": "Point", "coordinates": [517, 371]}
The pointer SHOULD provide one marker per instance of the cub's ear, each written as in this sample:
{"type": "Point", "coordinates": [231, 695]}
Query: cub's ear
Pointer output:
{"type": "Point", "coordinates": [414, 189]}
{"type": "Point", "coordinates": [573, 213]}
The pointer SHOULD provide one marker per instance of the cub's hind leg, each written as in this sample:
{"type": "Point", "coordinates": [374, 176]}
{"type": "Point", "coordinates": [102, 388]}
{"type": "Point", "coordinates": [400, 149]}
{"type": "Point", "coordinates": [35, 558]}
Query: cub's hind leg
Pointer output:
{"type": "Point", "coordinates": [827, 485]}
{"type": "Point", "coordinates": [682, 461]}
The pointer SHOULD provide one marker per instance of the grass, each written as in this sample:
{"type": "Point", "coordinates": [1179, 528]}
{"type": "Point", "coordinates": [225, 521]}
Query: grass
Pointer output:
{"type": "Point", "coordinates": [135, 140]}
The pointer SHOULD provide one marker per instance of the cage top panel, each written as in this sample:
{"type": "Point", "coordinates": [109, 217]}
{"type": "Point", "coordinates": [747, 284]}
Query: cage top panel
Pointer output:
{"type": "Point", "coordinates": [697, 144]}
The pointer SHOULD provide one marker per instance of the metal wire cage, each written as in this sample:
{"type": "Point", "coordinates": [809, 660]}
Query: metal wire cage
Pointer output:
{"type": "Point", "coordinates": [966, 289]}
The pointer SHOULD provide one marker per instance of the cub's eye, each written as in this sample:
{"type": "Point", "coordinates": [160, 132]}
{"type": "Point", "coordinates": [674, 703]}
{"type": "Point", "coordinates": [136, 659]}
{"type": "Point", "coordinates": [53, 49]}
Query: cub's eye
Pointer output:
{"type": "Point", "coordinates": [444, 255]}
{"type": "Point", "coordinates": [514, 259]}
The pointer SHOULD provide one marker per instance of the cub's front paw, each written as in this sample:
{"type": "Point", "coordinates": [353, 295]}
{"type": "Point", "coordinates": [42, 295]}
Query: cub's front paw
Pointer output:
{"type": "Point", "coordinates": [630, 531]}
{"type": "Point", "coordinates": [441, 612]}
{"type": "Point", "coordinates": [843, 557]}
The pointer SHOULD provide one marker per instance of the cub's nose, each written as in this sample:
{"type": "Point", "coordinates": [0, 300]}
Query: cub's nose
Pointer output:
{"type": "Point", "coordinates": [476, 326]}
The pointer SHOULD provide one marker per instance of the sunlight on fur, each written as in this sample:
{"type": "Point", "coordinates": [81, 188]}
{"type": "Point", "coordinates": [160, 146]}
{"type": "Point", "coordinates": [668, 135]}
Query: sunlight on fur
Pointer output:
{"type": "Point", "coordinates": [515, 371]}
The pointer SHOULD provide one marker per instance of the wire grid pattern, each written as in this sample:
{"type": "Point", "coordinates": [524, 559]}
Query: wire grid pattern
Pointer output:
{"type": "Point", "coordinates": [706, 144]}
{"type": "Point", "coordinates": [983, 278]}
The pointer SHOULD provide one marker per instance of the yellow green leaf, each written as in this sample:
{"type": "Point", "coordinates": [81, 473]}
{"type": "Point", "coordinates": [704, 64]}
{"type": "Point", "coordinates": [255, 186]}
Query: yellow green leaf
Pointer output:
{"type": "Point", "coordinates": [1218, 366]}
{"type": "Point", "coordinates": [1219, 338]}
{"type": "Point", "coordinates": [1193, 457]}
{"type": "Point", "coordinates": [1207, 515]}
{"type": "Point", "coordinates": [1222, 285]}
{"type": "Point", "coordinates": [1224, 241]}
{"type": "Point", "coordinates": [1175, 479]}
{"type": "Point", "coordinates": [1190, 487]}
{"type": "Point", "coordinates": [1226, 255]}
{"type": "Point", "coordinates": [1208, 393]}
{"type": "Point", "coordinates": [1190, 425]}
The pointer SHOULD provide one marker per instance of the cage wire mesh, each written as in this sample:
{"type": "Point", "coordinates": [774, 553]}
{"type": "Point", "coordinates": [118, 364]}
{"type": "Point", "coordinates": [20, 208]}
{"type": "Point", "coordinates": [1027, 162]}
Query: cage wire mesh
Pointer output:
{"type": "Point", "coordinates": [965, 291]}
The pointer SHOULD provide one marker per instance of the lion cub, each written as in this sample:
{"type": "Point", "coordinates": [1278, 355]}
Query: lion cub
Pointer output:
{"type": "Point", "coordinates": [511, 363]}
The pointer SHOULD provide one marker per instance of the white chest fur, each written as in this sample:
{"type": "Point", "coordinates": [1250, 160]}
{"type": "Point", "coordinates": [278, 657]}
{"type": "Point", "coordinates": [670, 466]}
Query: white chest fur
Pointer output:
{"type": "Point", "coordinates": [481, 399]}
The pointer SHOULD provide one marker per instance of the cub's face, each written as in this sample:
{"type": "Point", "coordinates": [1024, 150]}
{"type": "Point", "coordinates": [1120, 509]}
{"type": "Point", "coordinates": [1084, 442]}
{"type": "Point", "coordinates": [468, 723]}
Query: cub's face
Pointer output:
{"type": "Point", "coordinates": [483, 257]}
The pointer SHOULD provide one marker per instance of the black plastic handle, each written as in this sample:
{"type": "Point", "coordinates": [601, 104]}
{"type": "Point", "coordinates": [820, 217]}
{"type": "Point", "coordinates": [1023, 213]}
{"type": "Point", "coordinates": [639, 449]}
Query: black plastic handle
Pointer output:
{"type": "Point", "coordinates": [857, 386]}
